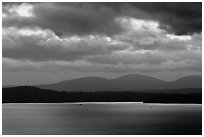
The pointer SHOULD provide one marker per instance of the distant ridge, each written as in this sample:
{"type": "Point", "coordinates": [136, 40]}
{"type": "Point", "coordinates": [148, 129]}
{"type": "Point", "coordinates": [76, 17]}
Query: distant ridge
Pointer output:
{"type": "Point", "coordinates": [124, 83]}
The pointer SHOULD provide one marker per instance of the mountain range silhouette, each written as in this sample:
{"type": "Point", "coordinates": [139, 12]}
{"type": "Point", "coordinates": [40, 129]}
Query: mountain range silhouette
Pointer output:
{"type": "Point", "coordinates": [128, 88]}
{"type": "Point", "coordinates": [124, 83]}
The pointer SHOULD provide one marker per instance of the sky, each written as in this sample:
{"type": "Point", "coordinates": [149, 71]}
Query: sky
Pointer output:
{"type": "Point", "coordinates": [51, 42]}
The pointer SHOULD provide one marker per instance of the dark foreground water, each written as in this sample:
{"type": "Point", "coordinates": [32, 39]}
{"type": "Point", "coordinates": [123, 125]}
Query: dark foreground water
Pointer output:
{"type": "Point", "coordinates": [120, 118]}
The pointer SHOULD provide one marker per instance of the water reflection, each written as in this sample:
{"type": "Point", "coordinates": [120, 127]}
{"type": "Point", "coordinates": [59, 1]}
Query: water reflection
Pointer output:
{"type": "Point", "coordinates": [130, 118]}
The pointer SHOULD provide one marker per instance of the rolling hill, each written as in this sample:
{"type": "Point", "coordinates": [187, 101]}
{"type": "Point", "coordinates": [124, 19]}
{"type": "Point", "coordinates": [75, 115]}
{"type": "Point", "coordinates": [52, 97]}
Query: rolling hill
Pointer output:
{"type": "Point", "coordinates": [124, 83]}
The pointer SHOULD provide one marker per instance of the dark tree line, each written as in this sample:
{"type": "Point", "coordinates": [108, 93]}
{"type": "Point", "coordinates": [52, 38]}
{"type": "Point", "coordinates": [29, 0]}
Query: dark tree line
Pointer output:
{"type": "Point", "coordinates": [26, 94]}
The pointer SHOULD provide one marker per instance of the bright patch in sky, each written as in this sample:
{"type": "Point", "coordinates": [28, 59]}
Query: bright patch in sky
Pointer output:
{"type": "Point", "coordinates": [139, 24]}
{"type": "Point", "coordinates": [4, 15]}
{"type": "Point", "coordinates": [24, 10]}
{"type": "Point", "coordinates": [29, 32]}
{"type": "Point", "coordinates": [183, 37]}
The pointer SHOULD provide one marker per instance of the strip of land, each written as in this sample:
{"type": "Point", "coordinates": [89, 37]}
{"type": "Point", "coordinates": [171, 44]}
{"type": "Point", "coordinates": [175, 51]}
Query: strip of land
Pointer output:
{"type": "Point", "coordinates": [27, 94]}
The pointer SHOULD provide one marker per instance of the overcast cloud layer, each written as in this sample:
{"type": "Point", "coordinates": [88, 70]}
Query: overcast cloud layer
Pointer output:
{"type": "Point", "coordinates": [96, 38]}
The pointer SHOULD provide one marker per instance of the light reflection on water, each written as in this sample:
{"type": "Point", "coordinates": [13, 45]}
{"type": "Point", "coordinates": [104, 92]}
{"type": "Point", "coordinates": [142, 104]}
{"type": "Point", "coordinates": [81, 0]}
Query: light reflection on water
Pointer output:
{"type": "Point", "coordinates": [101, 118]}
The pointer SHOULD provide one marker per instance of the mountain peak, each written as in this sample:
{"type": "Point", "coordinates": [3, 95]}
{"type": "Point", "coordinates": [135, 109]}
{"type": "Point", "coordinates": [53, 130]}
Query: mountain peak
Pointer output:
{"type": "Point", "coordinates": [137, 77]}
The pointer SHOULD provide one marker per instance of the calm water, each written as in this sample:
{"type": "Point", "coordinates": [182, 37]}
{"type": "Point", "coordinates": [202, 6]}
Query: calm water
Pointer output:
{"type": "Point", "coordinates": [89, 118]}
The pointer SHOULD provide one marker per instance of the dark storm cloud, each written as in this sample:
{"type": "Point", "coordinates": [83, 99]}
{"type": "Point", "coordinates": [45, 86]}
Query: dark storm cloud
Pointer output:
{"type": "Point", "coordinates": [180, 18]}
{"type": "Point", "coordinates": [69, 18]}
{"type": "Point", "coordinates": [99, 18]}
{"type": "Point", "coordinates": [183, 17]}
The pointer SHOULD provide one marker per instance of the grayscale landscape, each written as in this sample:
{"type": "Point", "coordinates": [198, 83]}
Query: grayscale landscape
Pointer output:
{"type": "Point", "coordinates": [102, 68]}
